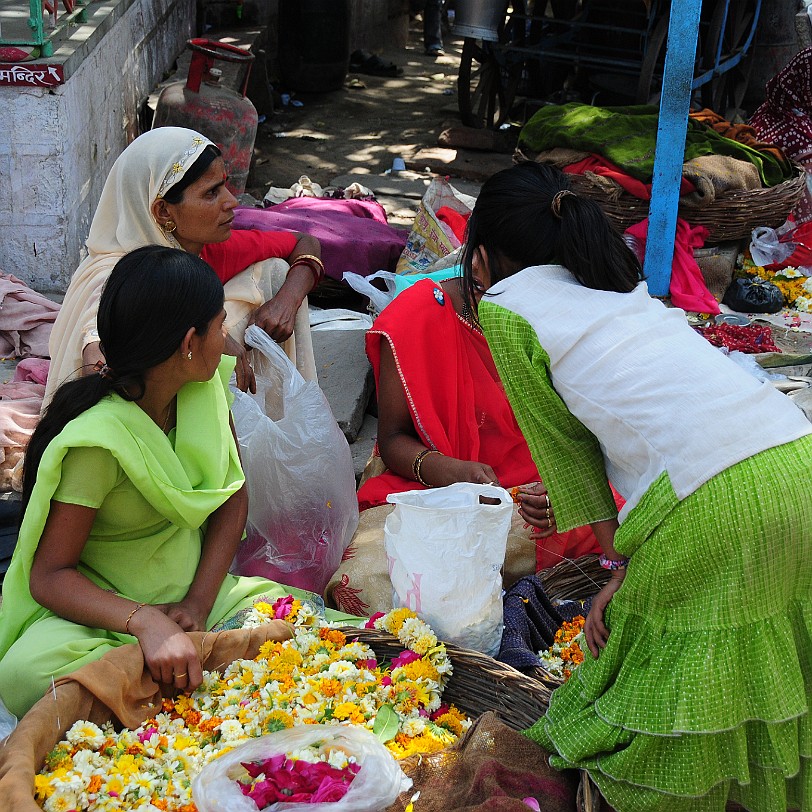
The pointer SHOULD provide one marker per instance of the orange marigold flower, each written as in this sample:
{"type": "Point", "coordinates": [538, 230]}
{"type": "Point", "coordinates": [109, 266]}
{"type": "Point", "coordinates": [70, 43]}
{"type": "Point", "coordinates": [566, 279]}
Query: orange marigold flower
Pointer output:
{"type": "Point", "coordinates": [337, 638]}
{"type": "Point", "coordinates": [95, 783]}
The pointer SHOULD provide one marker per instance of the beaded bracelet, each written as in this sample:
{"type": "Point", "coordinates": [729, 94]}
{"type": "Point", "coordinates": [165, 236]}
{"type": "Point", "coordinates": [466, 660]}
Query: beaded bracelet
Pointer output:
{"type": "Point", "coordinates": [314, 263]}
{"type": "Point", "coordinates": [418, 462]}
{"type": "Point", "coordinates": [130, 617]}
{"type": "Point", "coordinates": [613, 563]}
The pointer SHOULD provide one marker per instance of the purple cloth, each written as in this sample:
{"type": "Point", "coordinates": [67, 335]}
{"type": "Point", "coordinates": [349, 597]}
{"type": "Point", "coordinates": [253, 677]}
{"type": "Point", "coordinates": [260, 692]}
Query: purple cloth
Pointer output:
{"type": "Point", "coordinates": [354, 234]}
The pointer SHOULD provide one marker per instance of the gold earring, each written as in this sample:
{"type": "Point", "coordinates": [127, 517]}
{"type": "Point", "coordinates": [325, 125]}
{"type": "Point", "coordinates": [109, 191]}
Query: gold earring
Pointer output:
{"type": "Point", "coordinates": [169, 226]}
{"type": "Point", "coordinates": [189, 356]}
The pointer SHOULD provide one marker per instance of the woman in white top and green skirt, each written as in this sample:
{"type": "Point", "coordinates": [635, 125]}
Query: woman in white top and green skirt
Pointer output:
{"type": "Point", "coordinates": [698, 688]}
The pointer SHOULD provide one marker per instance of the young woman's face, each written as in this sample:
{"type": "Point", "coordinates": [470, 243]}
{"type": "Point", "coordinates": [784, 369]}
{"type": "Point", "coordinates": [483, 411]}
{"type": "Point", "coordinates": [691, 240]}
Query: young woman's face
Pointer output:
{"type": "Point", "coordinates": [206, 211]}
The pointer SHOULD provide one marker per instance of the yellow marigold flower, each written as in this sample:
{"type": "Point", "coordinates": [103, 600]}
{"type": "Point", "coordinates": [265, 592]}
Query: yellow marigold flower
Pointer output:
{"type": "Point", "coordinates": [452, 720]}
{"type": "Point", "coordinates": [268, 649]}
{"type": "Point", "coordinates": [126, 764]}
{"type": "Point", "coordinates": [420, 669]}
{"type": "Point", "coordinates": [395, 619]}
{"type": "Point", "coordinates": [42, 787]}
{"type": "Point", "coordinates": [349, 711]}
{"type": "Point", "coordinates": [278, 720]}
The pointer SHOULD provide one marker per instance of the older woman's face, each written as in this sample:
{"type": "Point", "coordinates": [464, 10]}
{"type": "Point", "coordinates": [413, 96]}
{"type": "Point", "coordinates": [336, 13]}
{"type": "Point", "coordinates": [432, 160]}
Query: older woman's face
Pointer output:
{"type": "Point", "coordinates": [206, 211]}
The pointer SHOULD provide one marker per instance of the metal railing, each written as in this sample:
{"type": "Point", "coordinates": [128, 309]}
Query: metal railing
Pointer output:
{"type": "Point", "coordinates": [45, 20]}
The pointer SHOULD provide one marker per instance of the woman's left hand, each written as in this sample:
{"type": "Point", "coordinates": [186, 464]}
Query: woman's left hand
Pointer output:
{"type": "Point", "coordinates": [246, 380]}
{"type": "Point", "coordinates": [188, 615]}
{"type": "Point", "coordinates": [595, 629]}
{"type": "Point", "coordinates": [535, 508]}
{"type": "Point", "coordinates": [277, 316]}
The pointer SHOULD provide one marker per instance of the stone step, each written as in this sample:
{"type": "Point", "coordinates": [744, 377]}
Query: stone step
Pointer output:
{"type": "Point", "coordinates": [345, 376]}
{"type": "Point", "coordinates": [361, 449]}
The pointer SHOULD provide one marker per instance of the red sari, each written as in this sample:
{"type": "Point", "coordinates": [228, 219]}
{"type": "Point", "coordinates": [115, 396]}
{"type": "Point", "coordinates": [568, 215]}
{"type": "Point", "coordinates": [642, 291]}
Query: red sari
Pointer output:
{"type": "Point", "coordinates": [457, 403]}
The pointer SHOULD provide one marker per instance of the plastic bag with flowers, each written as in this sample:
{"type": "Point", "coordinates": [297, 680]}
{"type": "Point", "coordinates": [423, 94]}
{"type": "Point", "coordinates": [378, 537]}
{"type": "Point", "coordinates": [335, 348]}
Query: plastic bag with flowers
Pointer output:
{"type": "Point", "coordinates": [305, 768]}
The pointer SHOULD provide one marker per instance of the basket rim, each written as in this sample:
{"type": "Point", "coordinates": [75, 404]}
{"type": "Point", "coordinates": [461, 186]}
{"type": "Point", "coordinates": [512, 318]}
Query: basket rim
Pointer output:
{"type": "Point", "coordinates": [479, 683]}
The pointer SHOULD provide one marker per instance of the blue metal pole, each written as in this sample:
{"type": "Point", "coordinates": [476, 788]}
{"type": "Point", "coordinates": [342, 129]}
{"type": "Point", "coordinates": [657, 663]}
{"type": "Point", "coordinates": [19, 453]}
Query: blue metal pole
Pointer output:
{"type": "Point", "coordinates": [675, 102]}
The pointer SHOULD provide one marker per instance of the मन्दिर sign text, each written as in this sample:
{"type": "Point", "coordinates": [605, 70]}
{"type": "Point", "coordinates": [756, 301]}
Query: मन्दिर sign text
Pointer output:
{"type": "Point", "coordinates": [32, 75]}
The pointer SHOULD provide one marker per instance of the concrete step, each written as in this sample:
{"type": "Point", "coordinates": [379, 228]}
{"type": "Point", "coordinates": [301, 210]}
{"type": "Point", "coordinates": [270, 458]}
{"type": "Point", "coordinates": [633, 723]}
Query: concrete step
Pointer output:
{"type": "Point", "coordinates": [345, 376]}
{"type": "Point", "coordinates": [361, 449]}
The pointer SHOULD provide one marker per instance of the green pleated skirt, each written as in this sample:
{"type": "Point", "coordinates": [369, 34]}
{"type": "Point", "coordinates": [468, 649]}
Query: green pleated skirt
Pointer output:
{"type": "Point", "coordinates": [703, 692]}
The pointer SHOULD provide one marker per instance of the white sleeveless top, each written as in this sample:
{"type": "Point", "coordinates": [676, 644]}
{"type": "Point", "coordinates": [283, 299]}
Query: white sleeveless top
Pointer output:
{"type": "Point", "coordinates": [657, 395]}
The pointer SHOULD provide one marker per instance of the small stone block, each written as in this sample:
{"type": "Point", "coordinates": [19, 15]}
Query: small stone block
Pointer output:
{"type": "Point", "coordinates": [345, 376]}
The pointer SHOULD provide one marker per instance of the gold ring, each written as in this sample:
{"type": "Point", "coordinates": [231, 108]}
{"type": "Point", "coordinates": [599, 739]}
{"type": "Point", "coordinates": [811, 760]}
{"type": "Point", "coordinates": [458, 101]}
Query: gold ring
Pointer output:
{"type": "Point", "coordinates": [184, 674]}
{"type": "Point", "coordinates": [547, 514]}
{"type": "Point", "coordinates": [547, 497]}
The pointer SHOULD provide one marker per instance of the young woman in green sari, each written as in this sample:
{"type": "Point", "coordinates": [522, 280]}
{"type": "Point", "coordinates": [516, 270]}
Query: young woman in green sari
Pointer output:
{"type": "Point", "coordinates": [134, 499]}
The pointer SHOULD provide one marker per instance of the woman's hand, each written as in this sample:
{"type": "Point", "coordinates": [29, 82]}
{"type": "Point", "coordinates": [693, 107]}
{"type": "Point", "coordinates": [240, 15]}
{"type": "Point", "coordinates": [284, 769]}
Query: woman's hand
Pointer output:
{"type": "Point", "coordinates": [277, 316]}
{"type": "Point", "coordinates": [595, 629]}
{"type": "Point", "coordinates": [439, 470]}
{"type": "Point", "coordinates": [246, 381]}
{"type": "Point", "coordinates": [190, 616]}
{"type": "Point", "coordinates": [169, 653]}
{"type": "Point", "coordinates": [536, 510]}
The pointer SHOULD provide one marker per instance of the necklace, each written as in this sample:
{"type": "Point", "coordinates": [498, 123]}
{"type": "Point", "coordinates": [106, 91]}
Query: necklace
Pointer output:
{"type": "Point", "coordinates": [465, 312]}
{"type": "Point", "coordinates": [166, 419]}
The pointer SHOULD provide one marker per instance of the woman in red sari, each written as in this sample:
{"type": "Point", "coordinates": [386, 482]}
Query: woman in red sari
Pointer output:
{"type": "Point", "coordinates": [443, 418]}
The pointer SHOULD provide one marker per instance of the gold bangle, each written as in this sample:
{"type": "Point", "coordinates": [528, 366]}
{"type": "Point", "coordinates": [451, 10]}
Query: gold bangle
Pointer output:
{"type": "Point", "coordinates": [130, 617]}
{"type": "Point", "coordinates": [418, 463]}
{"type": "Point", "coordinates": [314, 263]}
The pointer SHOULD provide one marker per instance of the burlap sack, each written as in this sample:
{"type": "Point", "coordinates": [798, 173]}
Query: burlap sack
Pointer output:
{"type": "Point", "coordinates": [491, 769]}
{"type": "Point", "coordinates": [115, 687]}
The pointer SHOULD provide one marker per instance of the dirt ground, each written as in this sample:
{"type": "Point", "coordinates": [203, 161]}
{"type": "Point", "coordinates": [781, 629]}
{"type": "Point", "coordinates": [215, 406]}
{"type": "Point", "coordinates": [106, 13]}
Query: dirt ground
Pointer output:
{"type": "Point", "coordinates": [363, 126]}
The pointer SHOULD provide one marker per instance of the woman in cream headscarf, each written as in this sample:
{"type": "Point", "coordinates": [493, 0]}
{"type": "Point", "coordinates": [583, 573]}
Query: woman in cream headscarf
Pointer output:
{"type": "Point", "coordinates": [156, 194]}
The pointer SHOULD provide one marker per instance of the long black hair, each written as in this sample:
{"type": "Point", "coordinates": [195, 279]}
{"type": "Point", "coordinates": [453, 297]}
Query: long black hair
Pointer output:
{"type": "Point", "coordinates": [521, 219]}
{"type": "Point", "coordinates": [151, 299]}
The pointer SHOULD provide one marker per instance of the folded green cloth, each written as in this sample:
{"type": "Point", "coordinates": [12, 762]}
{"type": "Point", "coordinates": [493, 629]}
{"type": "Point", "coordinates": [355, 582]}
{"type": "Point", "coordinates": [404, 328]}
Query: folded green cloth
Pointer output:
{"type": "Point", "coordinates": [626, 136]}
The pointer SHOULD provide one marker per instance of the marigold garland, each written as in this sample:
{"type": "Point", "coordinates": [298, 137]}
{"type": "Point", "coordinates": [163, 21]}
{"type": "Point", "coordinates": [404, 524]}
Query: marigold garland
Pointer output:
{"type": "Point", "coordinates": [318, 677]}
{"type": "Point", "coordinates": [567, 651]}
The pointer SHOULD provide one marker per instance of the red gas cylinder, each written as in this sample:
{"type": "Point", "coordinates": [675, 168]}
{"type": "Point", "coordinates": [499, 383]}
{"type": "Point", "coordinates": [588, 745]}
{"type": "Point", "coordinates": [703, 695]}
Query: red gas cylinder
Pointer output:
{"type": "Point", "coordinates": [201, 103]}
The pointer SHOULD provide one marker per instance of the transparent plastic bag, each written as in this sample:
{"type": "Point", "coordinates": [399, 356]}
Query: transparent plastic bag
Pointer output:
{"type": "Point", "coordinates": [769, 247]}
{"type": "Point", "coordinates": [376, 785]}
{"type": "Point", "coordinates": [302, 509]}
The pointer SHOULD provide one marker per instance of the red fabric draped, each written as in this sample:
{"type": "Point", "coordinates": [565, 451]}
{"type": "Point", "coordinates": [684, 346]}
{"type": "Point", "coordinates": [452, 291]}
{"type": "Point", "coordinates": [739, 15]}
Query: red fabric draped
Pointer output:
{"type": "Point", "coordinates": [456, 400]}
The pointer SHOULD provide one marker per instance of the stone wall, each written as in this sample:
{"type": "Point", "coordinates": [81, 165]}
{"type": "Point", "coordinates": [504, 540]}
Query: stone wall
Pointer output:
{"type": "Point", "coordinates": [57, 145]}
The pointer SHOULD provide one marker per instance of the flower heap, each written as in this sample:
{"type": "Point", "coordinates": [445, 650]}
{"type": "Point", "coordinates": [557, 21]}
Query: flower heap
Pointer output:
{"type": "Point", "coordinates": [317, 677]}
{"type": "Point", "coordinates": [567, 650]}
{"type": "Point", "coordinates": [793, 283]}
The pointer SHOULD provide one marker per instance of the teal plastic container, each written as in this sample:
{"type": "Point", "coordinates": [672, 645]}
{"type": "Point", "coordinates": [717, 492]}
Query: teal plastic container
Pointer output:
{"type": "Point", "coordinates": [403, 281]}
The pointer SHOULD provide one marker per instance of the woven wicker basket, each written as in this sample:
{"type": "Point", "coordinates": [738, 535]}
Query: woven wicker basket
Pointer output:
{"type": "Point", "coordinates": [732, 216]}
{"type": "Point", "coordinates": [479, 683]}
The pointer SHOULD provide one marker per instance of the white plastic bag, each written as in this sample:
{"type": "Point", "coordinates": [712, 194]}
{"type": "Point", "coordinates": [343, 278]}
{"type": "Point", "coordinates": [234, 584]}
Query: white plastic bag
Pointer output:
{"type": "Point", "coordinates": [302, 509]}
{"type": "Point", "coordinates": [378, 299]}
{"type": "Point", "coordinates": [446, 550]}
{"type": "Point", "coordinates": [376, 785]}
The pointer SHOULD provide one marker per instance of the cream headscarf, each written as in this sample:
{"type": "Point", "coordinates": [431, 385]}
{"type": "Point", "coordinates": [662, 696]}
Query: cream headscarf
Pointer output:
{"type": "Point", "coordinates": [123, 221]}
